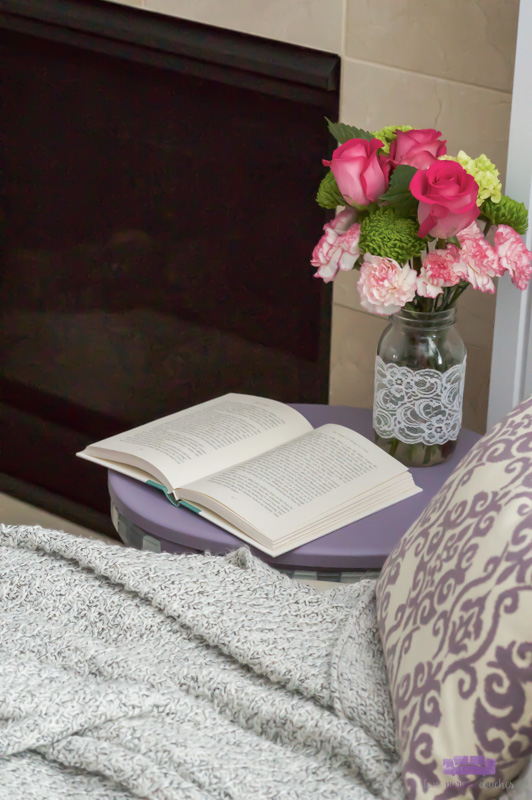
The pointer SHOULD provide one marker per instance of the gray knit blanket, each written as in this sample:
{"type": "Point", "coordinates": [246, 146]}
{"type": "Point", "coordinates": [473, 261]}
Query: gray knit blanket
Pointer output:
{"type": "Point", "coordinates": [127, 674]}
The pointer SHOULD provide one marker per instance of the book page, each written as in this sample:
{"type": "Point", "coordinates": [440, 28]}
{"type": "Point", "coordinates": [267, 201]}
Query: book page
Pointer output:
{"type": "Point", "coordinates": [279, 491]}
{"type": "Point", "coordinates": [373, 500]}
{"type": "Point", "coordinates": [186, 446]}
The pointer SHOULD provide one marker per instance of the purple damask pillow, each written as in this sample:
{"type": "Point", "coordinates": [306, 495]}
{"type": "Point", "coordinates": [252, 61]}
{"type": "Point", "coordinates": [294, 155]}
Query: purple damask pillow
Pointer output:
{"type": "Point", "coordinates": [454, 602]}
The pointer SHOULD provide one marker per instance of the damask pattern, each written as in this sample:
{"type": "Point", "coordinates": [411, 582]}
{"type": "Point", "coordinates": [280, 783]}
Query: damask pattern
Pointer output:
{"type": "Point", "coordinates": [455, 604]}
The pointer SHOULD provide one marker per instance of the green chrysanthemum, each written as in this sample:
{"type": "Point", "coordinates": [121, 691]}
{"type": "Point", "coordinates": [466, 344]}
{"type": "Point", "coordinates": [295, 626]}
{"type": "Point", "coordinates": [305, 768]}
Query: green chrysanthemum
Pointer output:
{"type": "Point", "coordinates": [484, 172]}
{"type": "Point", "coordinates": [389, 134]}
{"type": "Point", "coordinates": [506, 212]}
{"type": "Point", "coordinates": [383, 233]}
{"type": "Point", "coordinates": [328, 193]}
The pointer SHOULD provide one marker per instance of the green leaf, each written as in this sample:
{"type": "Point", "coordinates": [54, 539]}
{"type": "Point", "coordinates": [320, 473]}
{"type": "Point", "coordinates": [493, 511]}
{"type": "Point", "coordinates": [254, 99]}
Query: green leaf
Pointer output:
{"type": "Point", "coordinates": [342, 132]}
{"type": "Point", "coordinates": [329, 194]}
{"type": "Point", "coordinates": [369, 209]}
{"type": "Point", "coordinates": [454, 240]}
{"type": "Point", "coordinates": [399, 196]}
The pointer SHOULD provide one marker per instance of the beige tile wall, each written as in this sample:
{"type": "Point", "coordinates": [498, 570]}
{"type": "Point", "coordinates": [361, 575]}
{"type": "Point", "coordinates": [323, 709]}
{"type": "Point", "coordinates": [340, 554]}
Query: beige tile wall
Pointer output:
{"type": "Point", "coordinates": [469, 41]}
{"type": "Point", "coordinates": [310, 23]}
{"type": "Point", "coordinates": [445, 64]}
{"type": "Point", "coordinates": [135, 3]}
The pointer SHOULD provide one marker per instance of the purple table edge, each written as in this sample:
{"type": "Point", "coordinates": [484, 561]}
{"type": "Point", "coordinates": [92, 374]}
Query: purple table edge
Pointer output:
{"type": "Point", "coordinates": [364, 544]}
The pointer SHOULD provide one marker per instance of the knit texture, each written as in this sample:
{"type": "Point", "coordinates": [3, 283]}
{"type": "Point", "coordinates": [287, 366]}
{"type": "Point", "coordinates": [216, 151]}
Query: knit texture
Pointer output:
{"type": "Point", "coordinates": [127, 674]}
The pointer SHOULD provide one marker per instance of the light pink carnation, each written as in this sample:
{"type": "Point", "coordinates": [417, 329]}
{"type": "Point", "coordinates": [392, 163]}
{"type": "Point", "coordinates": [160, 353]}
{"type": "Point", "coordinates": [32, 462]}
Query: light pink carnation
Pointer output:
{"type": "Point", "coordinates": [471, 232]}
{"type": "Point", "coordinates": [338, 247]}
{"type": "Point", "coordinates": [384, 286]}
{"type": "Point", "coordinates": [478, 262]}
{"type": "Point", "coordinates": [514, 255]}
{"type": "Point", "coordinates": [439, 269]}
{"type": "Point", "coordinates": [489, 256]}
{"type": "Point", "coordinates": [343, 220]}
{"type": "Point", "coordinates": [325, 255]}
{"type": "Point", "coordinates": [425, 288]}
{"type": "Point", "coordinates": [473, 268]}
{"type": "Point", "coordinates": [348, 245]}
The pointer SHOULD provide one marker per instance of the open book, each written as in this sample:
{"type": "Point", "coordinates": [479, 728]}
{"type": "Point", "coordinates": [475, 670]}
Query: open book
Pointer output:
{"type": "Point", "coordinates": [258, 469]}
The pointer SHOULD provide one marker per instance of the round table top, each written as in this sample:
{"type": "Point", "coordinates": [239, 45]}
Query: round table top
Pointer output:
{"type": "Point", "coordinates": [364, 544]}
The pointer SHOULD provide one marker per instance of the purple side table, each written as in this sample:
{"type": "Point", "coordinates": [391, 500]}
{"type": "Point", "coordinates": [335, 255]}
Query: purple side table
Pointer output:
{"type": "Point", "coordinates": [154, 523]}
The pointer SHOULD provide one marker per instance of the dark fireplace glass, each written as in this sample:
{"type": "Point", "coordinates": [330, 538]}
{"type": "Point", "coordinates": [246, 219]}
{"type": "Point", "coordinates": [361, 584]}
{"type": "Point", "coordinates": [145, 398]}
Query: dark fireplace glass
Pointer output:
{"type": "Point", "coordinates": [156, 234]}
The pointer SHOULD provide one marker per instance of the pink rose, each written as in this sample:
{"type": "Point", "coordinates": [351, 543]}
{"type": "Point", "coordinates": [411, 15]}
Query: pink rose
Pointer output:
{"type": "Point", "coordinates": [338, 247]}
{"type": "Point", "coordinates": [514, 255]}
{"type": "Point", "coordinates": [417, 148]}
{"type": "Point", "coordinates": [361, 175]}
{"type": "Point", "coordinates": [478, 262]}
{"type": "Point", "coordinates": [384, 286]}
{"type": "Point", "coordinates": [447, 197]}
{"type": "Point", "coordinates": [439, 269]}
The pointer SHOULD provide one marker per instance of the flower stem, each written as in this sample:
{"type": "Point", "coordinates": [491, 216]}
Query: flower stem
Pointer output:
{"type": "Point", "coordinates": [455, 294]}
{"type": "Point", "coordinates": [428, 454]}
{"type": "Point", "coordinates": [393, 447]}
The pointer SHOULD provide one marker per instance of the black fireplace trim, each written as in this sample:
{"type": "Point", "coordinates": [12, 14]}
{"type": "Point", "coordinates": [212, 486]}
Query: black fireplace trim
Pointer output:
{"type": "Point", "coordinates": [57, 410]}
{"type": "Point", "coordinates": [204, 51]}
{"type": "Point", "coordinates": [60, 506]}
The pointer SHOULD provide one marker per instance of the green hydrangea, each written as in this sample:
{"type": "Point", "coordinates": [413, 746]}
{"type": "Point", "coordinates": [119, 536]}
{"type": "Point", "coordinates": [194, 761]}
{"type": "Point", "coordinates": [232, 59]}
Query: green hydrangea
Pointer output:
{"type": "Point", "coordinates": [484, 172]}
{"type": "Point", "coordinates": [506, 212]}
{"type": "Point", "coordinates": [384, 233]}
{"type": "Point", "coordinates": [389, 134]}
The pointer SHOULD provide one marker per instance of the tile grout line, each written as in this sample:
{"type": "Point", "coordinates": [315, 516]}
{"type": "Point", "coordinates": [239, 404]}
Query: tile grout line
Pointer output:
{"type": "Point", "coordinates": [392, 67]}
{"type": "Point", "coordinates": [343, 43]}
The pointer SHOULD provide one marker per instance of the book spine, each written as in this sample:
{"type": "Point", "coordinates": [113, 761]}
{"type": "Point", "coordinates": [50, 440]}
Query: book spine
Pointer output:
{"type": "Point", "coordinates": [164, 490]}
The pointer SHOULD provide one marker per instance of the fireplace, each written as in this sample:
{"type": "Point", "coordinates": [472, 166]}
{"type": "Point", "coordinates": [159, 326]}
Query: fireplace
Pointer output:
{"type": "Point", "coordinates": [157, 219]}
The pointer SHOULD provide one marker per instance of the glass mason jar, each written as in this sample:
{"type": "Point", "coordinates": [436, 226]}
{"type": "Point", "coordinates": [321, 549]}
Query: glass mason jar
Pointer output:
{"type": "Point", "coordinates": [419, 387]}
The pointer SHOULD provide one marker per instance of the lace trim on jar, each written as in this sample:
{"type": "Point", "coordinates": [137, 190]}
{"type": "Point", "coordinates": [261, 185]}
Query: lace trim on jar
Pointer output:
{"type": "Point", "coordinates": [418, 405]}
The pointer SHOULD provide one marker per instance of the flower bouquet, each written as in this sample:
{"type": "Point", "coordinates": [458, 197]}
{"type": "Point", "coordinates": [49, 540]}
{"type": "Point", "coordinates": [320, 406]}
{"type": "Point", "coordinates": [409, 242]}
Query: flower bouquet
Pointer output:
{"type": "Point", "coordinates": [421, 226]}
